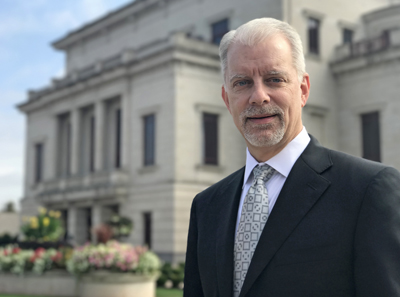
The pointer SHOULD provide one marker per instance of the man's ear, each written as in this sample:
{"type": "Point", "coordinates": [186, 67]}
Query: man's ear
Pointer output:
{"type": "Point", "coordinates": [224, 95]}
{"type": "Point", "coordinates": [305, 89]}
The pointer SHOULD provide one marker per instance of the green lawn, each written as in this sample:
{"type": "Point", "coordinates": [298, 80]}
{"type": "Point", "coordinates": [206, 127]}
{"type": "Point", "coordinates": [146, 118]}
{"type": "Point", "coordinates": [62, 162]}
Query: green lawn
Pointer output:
{"type": "Point", "coordinates": [169, 293]}
{"type": "Point", "coordinates": [160, 293]}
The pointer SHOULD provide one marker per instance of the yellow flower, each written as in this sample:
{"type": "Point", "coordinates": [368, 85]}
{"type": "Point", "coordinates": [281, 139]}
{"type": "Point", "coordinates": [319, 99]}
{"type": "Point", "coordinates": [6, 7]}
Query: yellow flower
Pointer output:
{"type": "Point", "coordinates": [52, 213]}
{"type": "Point", "coordinates": [46, 221]}
{"type": "Point", "coordinates": [34, 222]}
{"type": "Point", "coordinates": [57, 214]}
{"type": "Point", "coordinates": [42, 210]}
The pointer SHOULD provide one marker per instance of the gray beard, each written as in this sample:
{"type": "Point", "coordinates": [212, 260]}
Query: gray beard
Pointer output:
{"type": "Point", "coordinates": [265, 135]}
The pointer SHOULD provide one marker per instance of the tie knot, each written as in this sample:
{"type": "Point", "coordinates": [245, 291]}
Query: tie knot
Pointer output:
{"type": "Point", "coordinates": [263, 172]}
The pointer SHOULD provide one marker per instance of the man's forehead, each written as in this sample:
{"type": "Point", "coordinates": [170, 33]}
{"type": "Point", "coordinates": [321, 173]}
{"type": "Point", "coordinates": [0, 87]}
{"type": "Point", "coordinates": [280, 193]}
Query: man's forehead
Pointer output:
{"type": "Point", "coordinates": [247, 74]}
{"type": "Point", "coordinates": [271, 56]}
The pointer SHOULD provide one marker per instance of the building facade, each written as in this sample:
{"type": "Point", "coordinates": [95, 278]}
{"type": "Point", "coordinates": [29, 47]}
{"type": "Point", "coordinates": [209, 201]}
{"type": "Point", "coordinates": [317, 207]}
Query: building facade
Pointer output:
{"type": "Point", "coordinates": [137, 125]}
{"type": "Point", "coordinates": [367, 73]}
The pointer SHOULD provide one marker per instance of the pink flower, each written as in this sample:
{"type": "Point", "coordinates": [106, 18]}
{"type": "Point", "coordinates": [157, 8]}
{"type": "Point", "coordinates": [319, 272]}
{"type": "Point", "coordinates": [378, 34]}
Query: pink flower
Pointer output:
{"type": "Point", "coordinates": [16, 250]}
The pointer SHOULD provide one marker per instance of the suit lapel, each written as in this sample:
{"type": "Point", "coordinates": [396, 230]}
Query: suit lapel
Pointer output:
{"type": "Point", "coordinates": [228, 200]}
{"type": "Point", "coordinates": [303, 187]}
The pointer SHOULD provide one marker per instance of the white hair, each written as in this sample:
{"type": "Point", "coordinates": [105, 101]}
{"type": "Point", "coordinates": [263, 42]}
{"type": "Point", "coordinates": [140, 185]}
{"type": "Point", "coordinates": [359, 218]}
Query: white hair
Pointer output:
{"type": "Point", "coordinates": [258, 30]}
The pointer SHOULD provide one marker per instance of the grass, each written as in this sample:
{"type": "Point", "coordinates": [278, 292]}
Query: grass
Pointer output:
{"type": "Point", "coordinates": [160, 293]}
{"type": "Point", "coordinates": [169, 292]}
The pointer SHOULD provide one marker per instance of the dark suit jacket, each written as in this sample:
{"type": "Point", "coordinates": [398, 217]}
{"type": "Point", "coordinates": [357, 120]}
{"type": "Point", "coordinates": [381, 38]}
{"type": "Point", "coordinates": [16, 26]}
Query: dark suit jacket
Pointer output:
{"type": "Point", "coordinates": [334, 231]}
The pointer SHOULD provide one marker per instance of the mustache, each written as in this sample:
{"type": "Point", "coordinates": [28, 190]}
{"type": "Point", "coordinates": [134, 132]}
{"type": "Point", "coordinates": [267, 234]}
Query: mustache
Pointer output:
{"type": "Point", "coordinates": [252, 111]}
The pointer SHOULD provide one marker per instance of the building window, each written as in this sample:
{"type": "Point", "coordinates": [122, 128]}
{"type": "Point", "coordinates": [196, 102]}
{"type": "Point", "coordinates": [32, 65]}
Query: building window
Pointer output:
{"type": "Point", "coordinates": [347, 36]}
{"type": "Point", "coordinates": [371, 136]}
{"type": "Point", "coordinates": [149, 140]}
{"type": "Point", "coordinates": [39, 162]}
{"type": "Point", "coordinates": [210, 138]}
{"type": "Point", "coordinates": [118, 122]}
{"type": "Point", "coordinates": [92, 143]}
{"type": "Point", "coordinates": [113, 135]}
{"type": "Point", "coordinates": [313, 36]}
{"type": "Point", "coordinates": [218, 30]}
{"type": "Point", "coordinates": [64, 224]}
{"type": "Point", "coordinates": [147, 226]}
{"type": "Point", "coordinates": [87, 140]}
{"type": "Point", "coordinates": [64, 145]}
{"type": "Point", "coordinates": [88, 217]}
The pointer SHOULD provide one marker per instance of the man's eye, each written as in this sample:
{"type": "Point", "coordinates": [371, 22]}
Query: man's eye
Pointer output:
{"type": "Point", "coordinates": [275, 80]}
{"type": "Point", "coordinates": [241, 83]}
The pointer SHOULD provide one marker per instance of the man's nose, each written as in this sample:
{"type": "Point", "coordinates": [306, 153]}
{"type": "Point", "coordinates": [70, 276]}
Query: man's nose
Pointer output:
{"type": "Point", "coordinates": [259, 94]}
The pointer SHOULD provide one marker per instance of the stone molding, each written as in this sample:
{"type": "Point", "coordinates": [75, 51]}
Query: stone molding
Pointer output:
{"type": "Point", "coordinates": [177, 48]}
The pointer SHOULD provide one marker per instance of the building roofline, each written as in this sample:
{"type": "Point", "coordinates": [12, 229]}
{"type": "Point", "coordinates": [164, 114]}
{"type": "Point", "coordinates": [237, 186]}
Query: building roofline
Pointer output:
{"type": "Point", "coordinates": [381, 13]}
{"type": "Point", "coordinates": [125, 12]}
{"type": "Point", "coordinates": [177, 47]}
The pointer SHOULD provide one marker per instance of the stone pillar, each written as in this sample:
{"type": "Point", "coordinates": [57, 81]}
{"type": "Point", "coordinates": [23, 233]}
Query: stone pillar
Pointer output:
{"type": "Point", "coordinates": [96, 219]}
{"type": "Point", "coordinates": [81, 233]}
{"type": "Point", "coordinates": [99, 136]}
{"type": "Point", "coordinates": [74, 141]}
{"type": "Point", "coordinates": [77, 225]}
{"type": "Point", "coordinates": [125, 108]}
{"type": "Point", "coordinates": [72, 226]}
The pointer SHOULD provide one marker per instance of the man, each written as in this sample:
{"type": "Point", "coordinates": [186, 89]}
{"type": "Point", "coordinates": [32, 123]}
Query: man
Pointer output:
{"type": "Point", "coordinates": [299, 219]}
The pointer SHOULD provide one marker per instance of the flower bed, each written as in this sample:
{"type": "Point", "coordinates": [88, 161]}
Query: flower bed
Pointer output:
{"type": "Point", "coordinates": [17, 261]}
{"type": "Point", "coordinates": [115, 269]}
{"type": "Point", "coordinates": [115, 257]}
{"type": "Point", "coordinates": [103, 270]}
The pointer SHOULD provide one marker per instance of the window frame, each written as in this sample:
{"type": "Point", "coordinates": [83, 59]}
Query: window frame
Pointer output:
{"type": "Point", "coordinates": [149, 139]}
{"type": "Point", "coordinates": [39, 162]}
{"type": "Point", "coordinates": [371, 136]}
{"type": "Point", "coordinates": [344, 38]}
{"type": "Point", "coordinates": [313, 35]}
{"type": "Point", "coordinates": [218, 30]}
{"type": "Point", "coordinates": [210, 123]}
{"type": "Point", "coordinates": [147, 219]}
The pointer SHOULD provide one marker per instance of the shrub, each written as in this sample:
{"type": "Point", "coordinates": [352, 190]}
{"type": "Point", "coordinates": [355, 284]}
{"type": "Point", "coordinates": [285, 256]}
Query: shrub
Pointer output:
{"type": "Point", "coordinates": [171, 276]}
{"type": "Point", "coordinates": [46, 226]}
{"type": "Point", "coordinates": [7, 239]}
{"type": "Point", "coordinates": [120, 226]}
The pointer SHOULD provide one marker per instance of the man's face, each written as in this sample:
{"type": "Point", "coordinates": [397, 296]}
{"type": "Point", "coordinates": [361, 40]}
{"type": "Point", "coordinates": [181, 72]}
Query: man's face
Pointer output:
{"type": "Point", "coordinates": [263, 93]}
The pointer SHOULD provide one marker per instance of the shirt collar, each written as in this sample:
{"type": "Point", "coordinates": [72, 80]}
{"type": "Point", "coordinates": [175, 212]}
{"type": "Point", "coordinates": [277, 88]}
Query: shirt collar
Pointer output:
{"type": "Point", "coordinates": [284, 160]}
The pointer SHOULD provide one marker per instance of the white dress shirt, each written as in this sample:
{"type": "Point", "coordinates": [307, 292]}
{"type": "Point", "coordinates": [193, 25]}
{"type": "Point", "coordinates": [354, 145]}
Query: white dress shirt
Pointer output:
{"type": "Point", "coordinates": [282, 163]}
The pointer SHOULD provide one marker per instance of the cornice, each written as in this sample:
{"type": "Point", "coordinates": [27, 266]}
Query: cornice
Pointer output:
{"type": "Point", "coordinates": [382, 13]}
{"type": "Point", "coordinates": [387, 56]}
{"type": "Point", "coordinates": [127, 13]}
{"type": "Point", "coordinates": [177, 48]}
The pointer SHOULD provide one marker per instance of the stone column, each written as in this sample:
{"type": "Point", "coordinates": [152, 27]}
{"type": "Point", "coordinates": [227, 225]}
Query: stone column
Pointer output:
{"type": "Point", "coordinates": [77, 225]}
{"type": "Point", "coordinates": [99, 136]}
{"type": "Point", "coordinates": [74, 141]}
{"type": "Point", "coordinates": [96, 219]}
{"type": "Point", "coordinates": [72, 225]}
{"type": "Point", "coordinates": [125, 108]}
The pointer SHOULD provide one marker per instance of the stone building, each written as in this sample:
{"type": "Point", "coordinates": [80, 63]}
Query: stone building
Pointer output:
{"type": "Point", "coordinates": [367, 74]}
{"type": "Point", "coordinates": [137, 125]}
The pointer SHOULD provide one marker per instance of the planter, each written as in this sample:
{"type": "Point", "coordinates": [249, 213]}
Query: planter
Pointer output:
{"type": "Point", "coordinates": [51, 283]}
{"type": "Point", "coordinates": [111, 284]}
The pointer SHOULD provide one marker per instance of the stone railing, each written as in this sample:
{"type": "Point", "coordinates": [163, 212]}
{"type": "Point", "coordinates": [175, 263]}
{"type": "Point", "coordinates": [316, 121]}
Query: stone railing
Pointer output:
{"type": "Point", "coordinates": [96, 185]}
{"type": "Point", "coordinates": [387, 39]}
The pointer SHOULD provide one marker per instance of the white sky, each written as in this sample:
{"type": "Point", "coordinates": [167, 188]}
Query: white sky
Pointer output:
{"type": "Point", "coordinates": [27, 61]}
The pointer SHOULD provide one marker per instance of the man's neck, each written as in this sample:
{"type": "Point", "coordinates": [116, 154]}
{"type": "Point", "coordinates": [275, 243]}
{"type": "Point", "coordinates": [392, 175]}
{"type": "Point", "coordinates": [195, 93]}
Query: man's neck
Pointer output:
{"type": "Point", "coordinates": [263, 154]}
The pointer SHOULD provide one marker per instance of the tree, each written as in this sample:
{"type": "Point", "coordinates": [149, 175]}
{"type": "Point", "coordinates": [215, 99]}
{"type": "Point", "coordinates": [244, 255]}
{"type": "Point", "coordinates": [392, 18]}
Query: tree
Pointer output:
{"type": "Point", "coordinates": [9, 207]}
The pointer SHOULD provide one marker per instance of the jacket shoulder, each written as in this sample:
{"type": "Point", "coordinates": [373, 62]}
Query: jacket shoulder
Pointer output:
{"type": "Point", "coordinates": [233, 178]}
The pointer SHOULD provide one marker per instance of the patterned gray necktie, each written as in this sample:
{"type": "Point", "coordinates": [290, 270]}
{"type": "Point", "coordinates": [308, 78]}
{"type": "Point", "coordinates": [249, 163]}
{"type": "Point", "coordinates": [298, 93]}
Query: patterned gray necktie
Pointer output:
{"type": "Point", "coordinates": [255, 212]}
